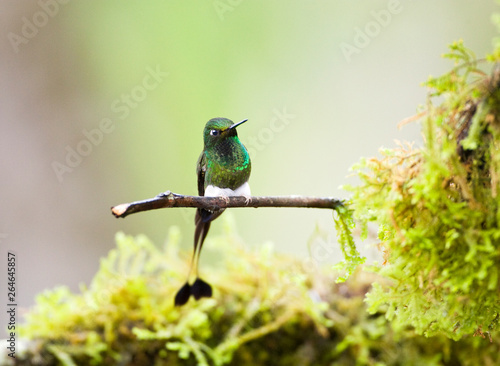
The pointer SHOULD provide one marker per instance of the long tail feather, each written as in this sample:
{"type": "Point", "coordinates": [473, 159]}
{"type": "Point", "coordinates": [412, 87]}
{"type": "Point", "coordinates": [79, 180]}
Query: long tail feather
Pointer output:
{"type": "Point", "coordinates": [183, 295]}
{"type": "Point", "coordinates": [203, 219]}
{"type": "Point", "coordinates": [202, 234]}
{"type": "Point", "coordinates": [199, 288]}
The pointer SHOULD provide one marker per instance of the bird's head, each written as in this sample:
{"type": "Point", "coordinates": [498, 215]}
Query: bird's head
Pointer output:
{"type": "Point", "coordinates": [218, 129]}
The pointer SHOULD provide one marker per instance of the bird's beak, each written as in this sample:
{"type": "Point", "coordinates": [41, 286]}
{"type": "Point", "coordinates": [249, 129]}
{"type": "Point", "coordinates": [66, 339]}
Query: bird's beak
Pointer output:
{"type": "Point", "coordinates": [234, 125]}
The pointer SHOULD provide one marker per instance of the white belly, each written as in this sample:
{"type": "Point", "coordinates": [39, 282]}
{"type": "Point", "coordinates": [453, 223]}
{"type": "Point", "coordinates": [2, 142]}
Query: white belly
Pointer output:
{"type": "Point", "coordinates": [243, 190]}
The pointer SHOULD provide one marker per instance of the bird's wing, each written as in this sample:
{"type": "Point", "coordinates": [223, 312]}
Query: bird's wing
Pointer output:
{"type": "Point", "coordinates": [202, 215]}
{"type": "Point", "coordinates": [201, 168]}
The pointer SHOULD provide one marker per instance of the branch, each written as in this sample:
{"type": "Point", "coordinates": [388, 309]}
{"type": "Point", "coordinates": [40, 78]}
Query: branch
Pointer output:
{"type": "Point", "coordinates": [169, 199]}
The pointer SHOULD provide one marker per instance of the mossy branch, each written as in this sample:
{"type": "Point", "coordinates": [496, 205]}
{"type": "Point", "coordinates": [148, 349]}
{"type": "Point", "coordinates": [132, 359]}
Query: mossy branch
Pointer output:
{"type": "Point", "coordinates": [170, 199]}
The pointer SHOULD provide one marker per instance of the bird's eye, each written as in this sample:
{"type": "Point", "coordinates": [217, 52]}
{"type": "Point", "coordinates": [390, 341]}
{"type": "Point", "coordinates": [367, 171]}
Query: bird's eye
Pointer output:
{"type": "Point", "coordinates": [214, 132]}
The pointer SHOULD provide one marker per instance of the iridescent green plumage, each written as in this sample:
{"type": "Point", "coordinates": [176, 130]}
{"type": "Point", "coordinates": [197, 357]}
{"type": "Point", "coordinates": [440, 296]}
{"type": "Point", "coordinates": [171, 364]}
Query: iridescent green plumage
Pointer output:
{"type": "Point", "coordinates": [224, 161]}
{"type": "Point", "coordinates": [223, 169]}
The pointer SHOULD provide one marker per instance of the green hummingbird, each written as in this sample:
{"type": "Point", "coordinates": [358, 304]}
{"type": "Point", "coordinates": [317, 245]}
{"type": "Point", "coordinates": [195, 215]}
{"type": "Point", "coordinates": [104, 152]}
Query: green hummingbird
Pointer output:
{"type": "Point", "coordinates": [223, 169]}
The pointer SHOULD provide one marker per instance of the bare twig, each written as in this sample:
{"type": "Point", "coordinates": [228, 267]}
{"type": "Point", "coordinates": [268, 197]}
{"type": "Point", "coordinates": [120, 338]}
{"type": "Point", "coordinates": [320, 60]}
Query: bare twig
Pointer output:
{"type": "Point", "coordinates": [169, 199]}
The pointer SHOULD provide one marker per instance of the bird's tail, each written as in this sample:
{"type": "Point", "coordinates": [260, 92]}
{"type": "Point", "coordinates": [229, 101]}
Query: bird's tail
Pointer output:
{"type": "Point", "coordinates": [199, 288]}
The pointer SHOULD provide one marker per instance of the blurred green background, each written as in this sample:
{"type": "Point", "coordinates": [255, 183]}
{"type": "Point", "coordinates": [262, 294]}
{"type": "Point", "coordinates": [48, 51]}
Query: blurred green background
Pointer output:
{"type": "Point", "coordinates": [342, 73]}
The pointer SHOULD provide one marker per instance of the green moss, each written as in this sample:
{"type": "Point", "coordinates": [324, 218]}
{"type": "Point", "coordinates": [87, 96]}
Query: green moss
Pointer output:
{"type": "Point", "coordinates": [128, 312]}
{"type": "Point", "coordinates": [438, 210]}
{"type": "Point", "coordinates": [344, 224]}
{"type": "Point", "coordinates": [267, 309]}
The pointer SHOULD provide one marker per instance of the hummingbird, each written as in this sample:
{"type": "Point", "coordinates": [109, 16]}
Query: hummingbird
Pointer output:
{"type": "Point", "coordinates": [223, 170]}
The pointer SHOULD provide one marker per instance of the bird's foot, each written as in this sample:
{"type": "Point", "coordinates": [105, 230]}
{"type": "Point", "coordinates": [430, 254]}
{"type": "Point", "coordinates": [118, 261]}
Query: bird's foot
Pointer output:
{"type": "Point", "coordinates": [248, 199]}
{"type": "Point", "coordinates": [225, 198]}
{"type": "Point", "coordinates": [168, 194]}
